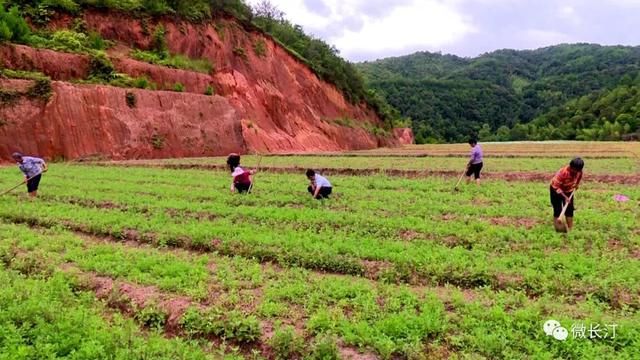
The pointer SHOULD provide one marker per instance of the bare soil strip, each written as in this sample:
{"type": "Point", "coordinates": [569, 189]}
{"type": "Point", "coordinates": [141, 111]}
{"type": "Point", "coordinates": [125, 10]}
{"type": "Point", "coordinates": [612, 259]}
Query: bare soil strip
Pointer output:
{"type": "Point", "coordinates": [511, 176]}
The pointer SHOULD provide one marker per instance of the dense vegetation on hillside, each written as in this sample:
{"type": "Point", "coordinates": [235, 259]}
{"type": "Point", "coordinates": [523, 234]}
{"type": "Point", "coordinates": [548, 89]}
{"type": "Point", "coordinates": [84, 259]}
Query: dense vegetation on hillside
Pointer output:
{"type": "Point", "coordinates": [321, 57]}
{"type": "Point", "coordinates": [580, 91]}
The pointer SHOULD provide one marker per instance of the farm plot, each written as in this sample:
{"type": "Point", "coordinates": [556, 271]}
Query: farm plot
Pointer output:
{"type": "Point", "coordinates": [390, 267]}
{"type": "Point", "coordinates": [341, 164]}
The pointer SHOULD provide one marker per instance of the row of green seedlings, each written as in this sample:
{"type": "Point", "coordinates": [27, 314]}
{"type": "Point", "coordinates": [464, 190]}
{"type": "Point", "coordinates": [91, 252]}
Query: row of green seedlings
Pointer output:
{"type": "Point", "coordinates": [399, 272]}
{"type": "Point", "coordinates": [466, 279]}
{"type": "Point", "coordinates": [197, 322]}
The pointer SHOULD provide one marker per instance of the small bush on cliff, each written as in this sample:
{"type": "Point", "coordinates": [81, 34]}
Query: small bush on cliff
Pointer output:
{"type": "Point", "coordinates": [157, 141]}
{"type": "Point", "coordinates": [178, 87]}
{"type": "Point", "coordinates": [239, 51]}
{"type": "Point", "coordinates": [174, 61]}
{"type": "Point", "coordinates": [70, 41]}
{"type": "Point", "coordinates": [41, 89]}
{"type": "Point", "coordinates": [159, 42]}
{"type": "Point", "coordinates": [131, 99]}
{"type": "Point", "coordinates": [210, 91]}
{"type": "Point", "coordinates": [8, 96]}
{"type": "Point", "coordinates": [101, 67]}
{"type": "Point", "coordinates": [20, 74]}
{"type": "Point", "coordinates": [260, 48]}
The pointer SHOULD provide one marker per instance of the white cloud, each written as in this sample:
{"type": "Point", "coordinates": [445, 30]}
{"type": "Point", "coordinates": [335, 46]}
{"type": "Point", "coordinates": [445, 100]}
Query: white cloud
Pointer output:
{"type": "Point", "coordinates": [421, 23]}
{"type": "Point", "coordinates": [375, 26]}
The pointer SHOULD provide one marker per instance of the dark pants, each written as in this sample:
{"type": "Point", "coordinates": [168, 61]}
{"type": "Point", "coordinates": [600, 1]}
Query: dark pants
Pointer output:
{"type": "Point", "coordinates": [475, 170]}
{"type": "Point", "coordinates": [557, 201]}
{"type": "Point", "coordinates": [32, 184]}
{"type": "Point", "coordinates": [323, 193]}
{"type": "Point", "coordinates": [241, 187]}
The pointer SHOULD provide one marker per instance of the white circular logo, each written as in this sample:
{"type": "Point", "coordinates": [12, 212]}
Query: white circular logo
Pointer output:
{"type": "Point", "coordinates": [560, 333]}
{"type": "Point", "coordinates": [549, 326]}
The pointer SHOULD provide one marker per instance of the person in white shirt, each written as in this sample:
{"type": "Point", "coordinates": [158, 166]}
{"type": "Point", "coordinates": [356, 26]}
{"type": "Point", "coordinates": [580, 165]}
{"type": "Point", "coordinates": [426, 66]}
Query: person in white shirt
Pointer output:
{"type": "Point", "coordinates": [320, 187]}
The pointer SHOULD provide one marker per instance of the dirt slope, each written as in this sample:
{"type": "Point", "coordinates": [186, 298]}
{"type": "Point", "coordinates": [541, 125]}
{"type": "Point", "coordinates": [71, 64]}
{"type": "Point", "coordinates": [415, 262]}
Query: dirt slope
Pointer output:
{"type": "Point", "coordinates": [270, 103]}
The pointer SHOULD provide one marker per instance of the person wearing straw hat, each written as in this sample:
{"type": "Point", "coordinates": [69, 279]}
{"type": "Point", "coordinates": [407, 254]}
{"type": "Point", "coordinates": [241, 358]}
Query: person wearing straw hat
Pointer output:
{"type": "Point", "coordinates": [563, 184]}
{"type": "Point", "coordinates": [32, 168]}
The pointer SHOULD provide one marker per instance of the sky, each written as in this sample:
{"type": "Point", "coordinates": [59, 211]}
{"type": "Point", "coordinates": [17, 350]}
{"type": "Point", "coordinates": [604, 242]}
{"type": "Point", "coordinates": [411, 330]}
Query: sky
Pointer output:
{"type": "Point", "coordinates": [372, 29]}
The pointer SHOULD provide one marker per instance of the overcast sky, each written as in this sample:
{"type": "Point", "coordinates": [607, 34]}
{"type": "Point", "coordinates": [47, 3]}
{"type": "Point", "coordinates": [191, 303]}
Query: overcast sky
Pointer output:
{"type": "Point", "coordinates": [372, 29]}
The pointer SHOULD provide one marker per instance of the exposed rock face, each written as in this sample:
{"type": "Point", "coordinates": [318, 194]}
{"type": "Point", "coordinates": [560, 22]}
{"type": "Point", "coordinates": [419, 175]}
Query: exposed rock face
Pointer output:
{"type": "Point", "coordinates": [265, 103]}
{"type": "Point", "coordinates": [81, 120]}
{"type": "Point", "coordinates": [404, 136]}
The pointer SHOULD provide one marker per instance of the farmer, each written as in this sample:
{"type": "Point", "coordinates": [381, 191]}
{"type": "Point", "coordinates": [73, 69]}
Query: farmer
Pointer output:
{"type": "Point", "coordinates": [32, 168]}
{"type": "Point", "coordinates": [241, 178]}
{"type": "Point", "coordinates": [320, 187]}
{"type": "Point", "coordinates": [563, 184]}
{"type": "Point", "coordinates": [475, 163]}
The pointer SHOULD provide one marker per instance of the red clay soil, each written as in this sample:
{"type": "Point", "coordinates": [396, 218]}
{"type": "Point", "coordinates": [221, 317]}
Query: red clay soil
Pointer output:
{"type": "Point", "coordinates": [404, 136]}
{"type": "Point", "coordinates": [131, 297]}
{"type": "Point", "coordinates": [273, 103]}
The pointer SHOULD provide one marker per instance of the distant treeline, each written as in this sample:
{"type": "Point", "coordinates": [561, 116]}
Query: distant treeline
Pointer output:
{"type": "Point", "coordinates": [581, 91]}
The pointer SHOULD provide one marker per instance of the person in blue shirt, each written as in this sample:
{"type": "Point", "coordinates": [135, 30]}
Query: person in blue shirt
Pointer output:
{"type": "Point", "coordinates": [320, 187]}
{"type": "Point", "coordinates": [32, 168]}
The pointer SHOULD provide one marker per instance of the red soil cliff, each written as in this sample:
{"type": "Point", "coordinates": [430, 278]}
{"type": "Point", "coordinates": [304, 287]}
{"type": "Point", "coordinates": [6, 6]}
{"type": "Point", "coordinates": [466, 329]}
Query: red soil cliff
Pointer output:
{"type": "Point", "coordinates": [270, 103]}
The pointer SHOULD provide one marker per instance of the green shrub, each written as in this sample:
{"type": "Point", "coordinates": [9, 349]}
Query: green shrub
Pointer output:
{"type": "Point", "coordinates": [101, 67]}
{"type": "Point", "coordinates": [13, 26]}
{"type": "Point", "coordinates": [131, 99]}
{"type": "Point", "coordinates": [286, 344]}
{"type": "Point", "coordinates": [8, 96]}
{"type": "Point", "coordinates": [260, 48]}
{"type": "Point", "coordinates": [41, 89]}
{"type": "Point", "coordinates": [178, 87]}
{"type": "Point", "coordinates": [21, 74]}
{"type": "Point", "coordinates": [141, 83]}
{"type": "Point", "coordinates": [324, 348]}
{"type": "Point", "coordinates": [159, 42]}
{"type": "Point", "coordinates": [174, 61]}
{"type": "Point", "coordinates": [152, 317]}
{"type": "Point", "coordinates": [209, 91]}
{"type": "Point", "coordinates": [157, 141]}
{"type": "Point", "coordinates": [239, 51]}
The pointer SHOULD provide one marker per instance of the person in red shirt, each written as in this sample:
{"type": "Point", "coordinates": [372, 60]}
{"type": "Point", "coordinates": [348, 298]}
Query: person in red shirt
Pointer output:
{"type": "Point", "coordinates": [563, 184]}
{"type": "Point", "coordinates": [241, 178]}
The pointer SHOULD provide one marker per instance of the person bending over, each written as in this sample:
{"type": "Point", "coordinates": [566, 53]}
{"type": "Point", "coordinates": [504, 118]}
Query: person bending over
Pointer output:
{"type": "Point", "coordinates": [320, 187]}
{"type": "Point", "coordinates": [32, 168]}
{"type": "Point", "coordinates": [563, 184]}
{"type": "Point", "coordinates": [241, 178]}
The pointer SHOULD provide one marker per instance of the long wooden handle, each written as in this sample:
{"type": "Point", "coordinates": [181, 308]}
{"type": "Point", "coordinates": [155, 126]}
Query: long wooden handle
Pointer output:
{"type": "Point", "coordinates": [564, 208]}
{"type": "Point", "coordinates": [461, 176]}
{"type": "Point", "coordinates": [20, 184]}
{"type": "Point", "coordinates": [252, 180]}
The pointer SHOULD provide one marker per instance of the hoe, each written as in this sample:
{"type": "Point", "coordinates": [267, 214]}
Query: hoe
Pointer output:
{"type": "Point", "coordinates": [563, 222]}
{"type": "Point", "coordinates": [21, 183]}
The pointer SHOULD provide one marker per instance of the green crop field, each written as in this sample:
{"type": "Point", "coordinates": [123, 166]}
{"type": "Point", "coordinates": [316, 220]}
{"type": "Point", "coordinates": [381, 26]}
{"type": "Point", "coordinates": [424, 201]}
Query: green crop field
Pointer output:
{"type": "Point", "coordinates": [127, 261]}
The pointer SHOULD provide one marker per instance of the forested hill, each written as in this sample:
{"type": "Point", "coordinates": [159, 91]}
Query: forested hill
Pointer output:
{"type": "Point", "coordinates": [580, 91]}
